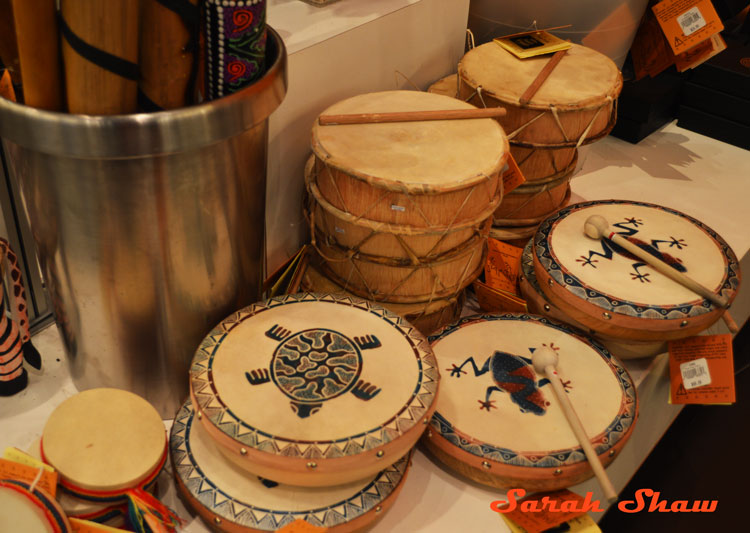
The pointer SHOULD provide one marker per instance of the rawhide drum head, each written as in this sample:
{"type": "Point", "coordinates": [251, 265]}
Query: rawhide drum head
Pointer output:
{"type": "Point", "coordinates": [314, 390]}
{"type": "Point", "coordinates": [27, 509]}
{"type": "Point", "coordinates": [104, 442]}
{"type": "Point", "coordinates": [600, 285]}
{"type": "Point", "coordinates": [498, 422]}
{"type": "Point", "coordinates": [230, 499]}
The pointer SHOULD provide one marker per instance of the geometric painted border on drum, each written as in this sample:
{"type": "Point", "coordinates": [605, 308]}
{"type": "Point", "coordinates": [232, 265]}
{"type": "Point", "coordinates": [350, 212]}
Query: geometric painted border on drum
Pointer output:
{"type": "Point", "coordinates": [613, 433]}
{"type": "Point", "coordinates": [201, 381]}
{"type": "Point", "coordinates": [231, 508]}
{"type": "Point", "coordinates": [608, 302]}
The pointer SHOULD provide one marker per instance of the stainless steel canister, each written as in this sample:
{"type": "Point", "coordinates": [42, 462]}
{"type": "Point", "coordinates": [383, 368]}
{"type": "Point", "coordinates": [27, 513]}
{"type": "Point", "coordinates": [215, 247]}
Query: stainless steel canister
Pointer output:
{"type": "Point", "coordinates": [149, 227]}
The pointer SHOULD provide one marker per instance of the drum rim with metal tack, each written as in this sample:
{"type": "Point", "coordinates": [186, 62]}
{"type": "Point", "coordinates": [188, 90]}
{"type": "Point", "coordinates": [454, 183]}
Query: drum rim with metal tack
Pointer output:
{"type": "Point", "coordinates": [461, 452]}
{"type": "Point", "coordinates": [623, 319]}
{"type": "Point", "coordinates": [366, 288]}
{"type": "Point", "coordinates": [323, 461]}
{"type": "Point", "coordinates": [391, 477]}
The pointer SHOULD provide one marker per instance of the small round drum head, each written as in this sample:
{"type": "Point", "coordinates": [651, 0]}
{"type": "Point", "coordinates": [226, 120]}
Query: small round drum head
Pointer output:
{"type": "Point", "coordinates": [24, 510]}
{"type": "Point", "coordinates": [103, 442]}
{"type": "Point", "coordinates": [607, 288]}
{"type": "Point", "coordinates": [314, 389]}
{"type": "Point", "coordinates": [500, 423]}
{"type": "Point", "coordinates": [231, 499]}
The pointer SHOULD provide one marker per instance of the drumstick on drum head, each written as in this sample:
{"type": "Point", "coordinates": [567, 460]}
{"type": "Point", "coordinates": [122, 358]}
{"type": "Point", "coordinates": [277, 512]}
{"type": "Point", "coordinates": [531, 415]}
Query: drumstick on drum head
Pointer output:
{"type": "Point", "coordinates": [597, 227]}
{"type": "Point", "coordinates": [544, 360]}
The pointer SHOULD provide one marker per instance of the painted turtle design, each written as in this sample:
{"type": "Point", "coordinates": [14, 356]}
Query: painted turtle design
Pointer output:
{"type": "Point", "coordinates": [316, 365]}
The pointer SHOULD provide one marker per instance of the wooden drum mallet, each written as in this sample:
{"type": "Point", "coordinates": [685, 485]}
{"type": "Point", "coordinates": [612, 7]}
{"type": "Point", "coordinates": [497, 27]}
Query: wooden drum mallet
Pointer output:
{"type": "Point", "coordinates": [596, 227]}
{"type": "Point", "coordinates": [544, 360]}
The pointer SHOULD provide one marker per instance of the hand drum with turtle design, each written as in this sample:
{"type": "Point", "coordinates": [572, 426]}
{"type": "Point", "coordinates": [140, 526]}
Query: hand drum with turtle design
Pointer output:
{"type": "Point", "coordinates": [314, 390]}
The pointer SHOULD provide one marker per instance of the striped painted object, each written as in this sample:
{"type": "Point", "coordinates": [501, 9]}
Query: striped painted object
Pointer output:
{"type": "Point", "coordinates": [15, 340]}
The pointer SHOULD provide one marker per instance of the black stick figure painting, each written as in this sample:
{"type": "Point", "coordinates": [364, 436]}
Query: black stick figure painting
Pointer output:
{"type": "Point", "coordinates": [629, 228]}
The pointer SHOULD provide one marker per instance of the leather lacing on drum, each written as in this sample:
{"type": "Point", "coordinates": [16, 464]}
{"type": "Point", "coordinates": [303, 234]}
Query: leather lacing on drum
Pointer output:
{"type": "Point", "coordinates": [378, 228]}
{"type": "Point", "coordinates": [545, 186]}
{"type": "Point", "coordinates": [404, 191]}
{"type": "Point", "coordinates": [438, 290]}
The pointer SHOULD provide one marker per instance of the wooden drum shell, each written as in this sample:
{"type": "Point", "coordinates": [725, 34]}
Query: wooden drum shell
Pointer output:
{"type": "Point", "coordinates": [554, 123]}
{"type": "Point", "coordinates": [534, 200]}
{"type": "Point", "coordinates": [369, 237]}
{"type": "Point", "coordinates": [398, 281]}
{"type": "Point", "coordinates": [426, 317]}
{"type": "Point", "coordinates": [390, 172]}
{"type": "Point", "coordinates": [346, 191]}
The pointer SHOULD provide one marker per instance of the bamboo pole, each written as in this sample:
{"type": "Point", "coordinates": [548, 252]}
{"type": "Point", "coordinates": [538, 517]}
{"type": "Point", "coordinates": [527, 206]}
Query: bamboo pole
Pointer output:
{"type": "Point", "coordinates": [166, 60]}
{"type": "Point", "coordinates": [111, 27]}
{"type": "Point", "coordinates": [39, 53]}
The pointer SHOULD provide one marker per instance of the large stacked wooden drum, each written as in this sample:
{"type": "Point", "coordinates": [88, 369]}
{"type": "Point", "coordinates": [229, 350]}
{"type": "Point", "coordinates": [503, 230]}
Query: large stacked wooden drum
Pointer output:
{"type": "Point", "coordinates": [575, 105]}
{"type": "Point", "coordinates": [303, 410]}
{"type": "Point", "coordinates": [400, 212]}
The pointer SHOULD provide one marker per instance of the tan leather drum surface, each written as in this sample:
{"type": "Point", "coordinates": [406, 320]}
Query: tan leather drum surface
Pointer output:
{"type": "Point", "coordinates": [582, 78]}
{"type": "Point", "coordinates": [437, 155]}
{"type": "Point", "coordinates": [104, 439]}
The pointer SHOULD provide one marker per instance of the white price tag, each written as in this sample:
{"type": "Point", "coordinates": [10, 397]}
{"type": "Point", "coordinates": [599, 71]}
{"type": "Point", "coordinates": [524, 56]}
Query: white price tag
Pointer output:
{"type": "Point", "coordinates": [695, 374]}
{"type": "Point", "coordinates": [395, 207]}
{"type": "Point", "coordinates": [691, 21]}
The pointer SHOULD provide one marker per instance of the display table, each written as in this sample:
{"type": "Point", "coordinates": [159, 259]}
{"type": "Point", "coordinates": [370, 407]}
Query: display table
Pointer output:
{"type": "Point", "coordinates": [674, 167]}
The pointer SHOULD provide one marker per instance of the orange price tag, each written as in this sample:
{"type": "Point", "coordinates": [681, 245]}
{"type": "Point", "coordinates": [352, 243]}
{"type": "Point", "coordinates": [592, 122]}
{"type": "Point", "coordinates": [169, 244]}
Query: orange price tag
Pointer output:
{"type": "Point", "coordinates": [502, 266]}
{"type": "Point", "coordinates": [300, 526]}
{"type": "Point", "coordinates": [687, 22]}
{"type": "Point", "coordinates": [494, 300]}
{"type": "Point", "coordinates": [6, 87]}
{"type": "Point", "coordinates": [512, 177]}
{"type": "Point", "coordinates": [700, 53]}
{"type": "Point", "coordinates": [27, 474]}
{"type": "Point", "coordinates": [542, 511]}
{"type": "Point", "coordinates": [701, 370]}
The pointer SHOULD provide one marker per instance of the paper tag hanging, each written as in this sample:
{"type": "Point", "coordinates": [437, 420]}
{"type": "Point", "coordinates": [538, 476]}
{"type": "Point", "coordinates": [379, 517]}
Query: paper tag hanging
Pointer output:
{"type": "Point", "coordinates": [686, 23]}
{"type": "Point", "coordinates": [532, 43]}
{"type": "Point", "coordinates": [702, 370]}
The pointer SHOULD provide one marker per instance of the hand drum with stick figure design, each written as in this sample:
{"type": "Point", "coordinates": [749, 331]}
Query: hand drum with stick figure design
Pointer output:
{"type": "Point", "coordinates": [498, 422]}
{"type": "Point", "coordinates": [618, 295]}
